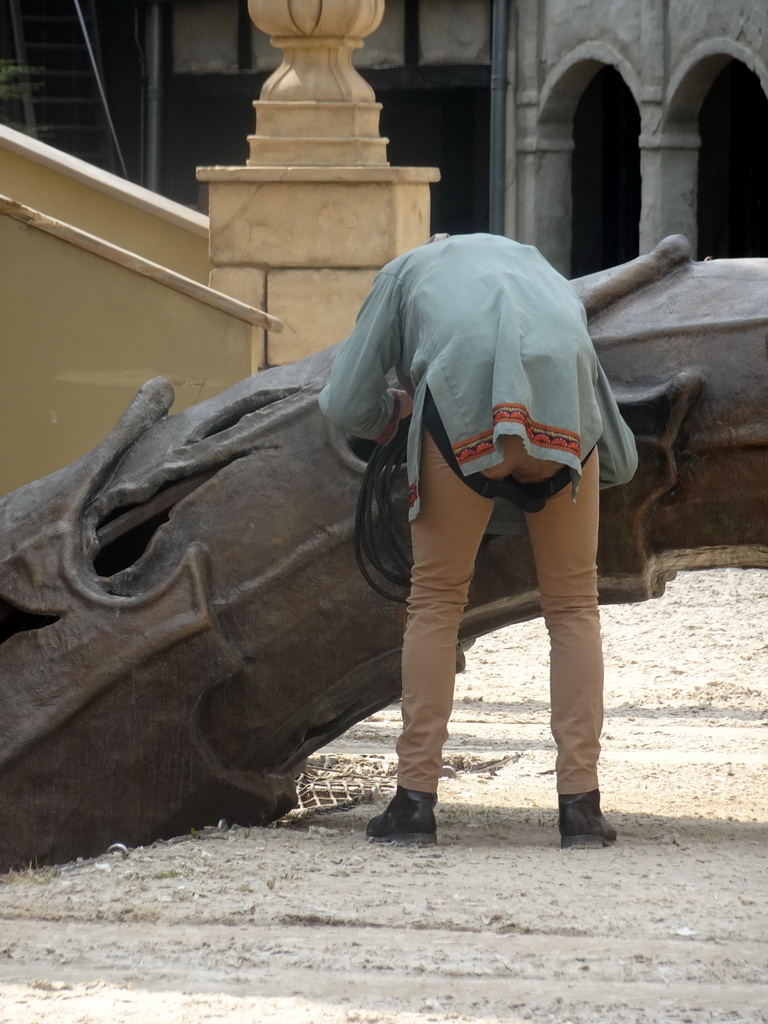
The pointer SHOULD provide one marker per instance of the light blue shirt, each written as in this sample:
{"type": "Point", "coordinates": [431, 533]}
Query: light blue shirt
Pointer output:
{"type": "Point", "coordinates": [500, 339]}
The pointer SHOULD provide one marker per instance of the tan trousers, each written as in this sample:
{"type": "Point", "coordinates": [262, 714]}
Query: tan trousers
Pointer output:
{"type": "Point", "coordinates": [446, 535]}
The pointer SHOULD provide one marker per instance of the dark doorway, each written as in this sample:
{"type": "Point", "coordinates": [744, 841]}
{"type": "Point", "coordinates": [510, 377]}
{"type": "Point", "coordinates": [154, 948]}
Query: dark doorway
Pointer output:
{"type": "Point", "coordinates": [605, 176]}
{"type": "Point", "coordinates": [733, 166]}
{"type": "Point", "coordinates": [449, 129]}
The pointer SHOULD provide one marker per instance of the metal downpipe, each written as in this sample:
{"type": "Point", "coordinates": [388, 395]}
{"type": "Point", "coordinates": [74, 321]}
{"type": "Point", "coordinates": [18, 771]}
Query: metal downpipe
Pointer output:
{"type": "Point", "coordinates": [154, 43]}
{"type": "Point", "coordinates": [498, 127]}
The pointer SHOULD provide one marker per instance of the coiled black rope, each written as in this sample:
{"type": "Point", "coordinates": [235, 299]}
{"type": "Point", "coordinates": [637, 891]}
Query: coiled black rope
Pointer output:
{"type": "Point", "coordinates": [382, 548]}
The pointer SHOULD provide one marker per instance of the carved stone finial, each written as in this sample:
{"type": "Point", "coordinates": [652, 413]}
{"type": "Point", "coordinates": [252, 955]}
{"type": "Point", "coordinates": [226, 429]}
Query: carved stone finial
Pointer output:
{"type": "Point", "coordinates": [315, 109]}
{"type": "Point", "coordinates": [317, 38]}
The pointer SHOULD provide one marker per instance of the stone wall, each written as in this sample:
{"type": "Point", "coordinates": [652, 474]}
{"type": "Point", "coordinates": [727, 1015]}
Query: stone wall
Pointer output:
{"type": "Point", "coordinates": [668, 52]}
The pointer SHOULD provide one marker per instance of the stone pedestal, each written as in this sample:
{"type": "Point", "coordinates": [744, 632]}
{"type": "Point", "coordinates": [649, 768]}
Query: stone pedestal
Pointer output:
{"type": "Point", "coordinates": [302, 229]}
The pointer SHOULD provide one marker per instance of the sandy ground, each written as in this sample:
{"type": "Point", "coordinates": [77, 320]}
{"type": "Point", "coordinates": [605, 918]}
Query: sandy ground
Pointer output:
{"type": "Point", "coordinates": [308, 924]}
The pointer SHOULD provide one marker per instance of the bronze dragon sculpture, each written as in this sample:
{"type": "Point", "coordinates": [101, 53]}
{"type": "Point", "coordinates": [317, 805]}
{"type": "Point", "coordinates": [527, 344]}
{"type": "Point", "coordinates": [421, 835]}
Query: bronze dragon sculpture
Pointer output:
{"type": "Point", "coordinates": [181, 618]}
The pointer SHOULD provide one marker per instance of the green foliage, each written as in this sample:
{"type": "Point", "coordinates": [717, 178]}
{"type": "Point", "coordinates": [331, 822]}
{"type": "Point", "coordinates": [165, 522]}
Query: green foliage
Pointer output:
{"type": "Point", "coordinates": [15, 80]}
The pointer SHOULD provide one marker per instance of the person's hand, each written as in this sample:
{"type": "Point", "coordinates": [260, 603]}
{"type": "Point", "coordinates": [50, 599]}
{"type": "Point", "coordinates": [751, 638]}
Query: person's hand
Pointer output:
{"type": "Point", "coordinates": [406, 403]}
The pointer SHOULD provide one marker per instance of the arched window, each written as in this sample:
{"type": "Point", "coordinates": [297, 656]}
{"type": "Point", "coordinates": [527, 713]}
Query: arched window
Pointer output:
{"type": "Point", "coordinates": [605, 175]}
{"type": "Point", "coordinates": [732, 209]}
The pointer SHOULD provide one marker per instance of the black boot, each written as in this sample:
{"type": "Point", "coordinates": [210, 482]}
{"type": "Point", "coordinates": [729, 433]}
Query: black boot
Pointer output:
{"type": "Point", "coordinates": [409, 818]}
{"type": "Point", "coordinates": [581, 822]}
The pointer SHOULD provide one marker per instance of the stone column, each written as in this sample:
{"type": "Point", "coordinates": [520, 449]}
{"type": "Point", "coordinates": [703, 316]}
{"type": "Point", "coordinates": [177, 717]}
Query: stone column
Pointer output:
{"type": "Point", "coordinates": [669, 168]}
{"type": "Point", "coordinates": [302, 229]}
{"type": "Point", "coordinates": [543, 149]}
{"type": "Point", "coordinates": [544, 192]}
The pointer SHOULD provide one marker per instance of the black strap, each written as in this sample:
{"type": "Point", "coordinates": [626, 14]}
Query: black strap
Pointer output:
{"type": "Point", "coordinates": [528, 497]}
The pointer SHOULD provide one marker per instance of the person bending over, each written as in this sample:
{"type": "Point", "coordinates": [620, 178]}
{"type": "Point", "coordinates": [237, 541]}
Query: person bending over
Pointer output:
{"type": "Point", "coordinates": [497, 369]}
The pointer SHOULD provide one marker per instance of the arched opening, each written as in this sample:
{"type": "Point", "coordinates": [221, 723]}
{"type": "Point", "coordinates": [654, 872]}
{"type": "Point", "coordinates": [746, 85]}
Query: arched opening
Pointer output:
{"type": "Point", "coordinates": [732, 210]}
{"type": "Point", "coordinates": [605, 175]}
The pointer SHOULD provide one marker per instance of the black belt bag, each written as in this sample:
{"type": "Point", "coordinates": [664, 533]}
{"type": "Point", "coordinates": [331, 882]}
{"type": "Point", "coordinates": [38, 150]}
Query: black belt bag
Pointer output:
{"type": "Point", "coordinates": [528, 497]}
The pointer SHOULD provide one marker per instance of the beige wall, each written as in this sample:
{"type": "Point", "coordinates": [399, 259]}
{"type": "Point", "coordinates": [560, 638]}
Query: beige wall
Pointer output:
{"type": "Point", "coordinates": [102, 204]}
{"type": "Point", "coordinates": [80, 334]}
